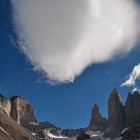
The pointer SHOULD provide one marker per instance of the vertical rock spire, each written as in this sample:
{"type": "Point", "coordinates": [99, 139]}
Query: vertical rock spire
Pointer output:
{"type": "Point", "coordinates": [97, 122]}
{"type": "Point", "coordinates": [132, 108]}
{"type": "Point", "coordinates": [116, 114]}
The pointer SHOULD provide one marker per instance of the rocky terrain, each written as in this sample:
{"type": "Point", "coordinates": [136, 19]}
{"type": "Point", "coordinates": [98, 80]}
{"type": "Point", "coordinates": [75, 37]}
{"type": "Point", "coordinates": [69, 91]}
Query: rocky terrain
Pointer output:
{"type": "Point", "coordinates": [116, 115]}
{"type": "Point", "coordinates": [9, 129]}
{"type": "Point", "coordinates": [21, 111]}
{"type": "Point", "coordinates": [18, 121]}
{"type": "Point", "coordinates": [97, 122]}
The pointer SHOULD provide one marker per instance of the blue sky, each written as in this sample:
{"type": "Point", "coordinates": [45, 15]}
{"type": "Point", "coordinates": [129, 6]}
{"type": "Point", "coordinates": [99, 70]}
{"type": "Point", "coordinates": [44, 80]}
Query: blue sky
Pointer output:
{"type": "Point", "coordinates": [65, 105]}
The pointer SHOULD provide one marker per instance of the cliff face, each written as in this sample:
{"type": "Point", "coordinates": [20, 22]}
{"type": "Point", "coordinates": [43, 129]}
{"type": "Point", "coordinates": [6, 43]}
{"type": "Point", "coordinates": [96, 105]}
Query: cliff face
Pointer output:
{"type": "Point", "coordinates": [10, 130]}
{"type": "Point", "coordinates": [21, 111]}
{"type": "Point", "coordinates": [5, 104]}
{"type": "Point", "coordinates": [132, 109]}
{"type": "Point", "coordinates": [116, 115]}
{"type": "Point", "coordinates": [97, 122]}
{"type": "Point", "coordinates": [119, 117]}
{"type": "Point", "coordinates": [116, 111]}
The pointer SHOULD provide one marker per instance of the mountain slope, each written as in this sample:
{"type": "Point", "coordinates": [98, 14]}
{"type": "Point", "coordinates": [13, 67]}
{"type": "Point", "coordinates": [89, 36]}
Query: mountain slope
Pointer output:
{"type": "Point", "coordinates": [10, 130]}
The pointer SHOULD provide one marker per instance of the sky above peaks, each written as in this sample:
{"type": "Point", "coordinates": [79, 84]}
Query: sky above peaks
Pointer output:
{"type": "Point", "coordinates": [65, 56]}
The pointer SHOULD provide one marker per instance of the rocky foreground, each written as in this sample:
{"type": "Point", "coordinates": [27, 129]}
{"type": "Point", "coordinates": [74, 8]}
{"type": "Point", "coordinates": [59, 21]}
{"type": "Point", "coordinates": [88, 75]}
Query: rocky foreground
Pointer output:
{"type": "Point", "coordinates": [18, 121]}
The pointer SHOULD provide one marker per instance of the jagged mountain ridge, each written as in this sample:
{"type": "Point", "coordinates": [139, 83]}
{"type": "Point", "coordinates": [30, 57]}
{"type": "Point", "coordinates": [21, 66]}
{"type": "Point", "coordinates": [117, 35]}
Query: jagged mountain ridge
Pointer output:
{"type": "Point", "coordinates": [119, 117]}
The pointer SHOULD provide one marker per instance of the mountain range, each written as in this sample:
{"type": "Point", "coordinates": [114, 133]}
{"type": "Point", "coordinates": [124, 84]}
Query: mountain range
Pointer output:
{"type": "Point", "coordinates": [18, 121]}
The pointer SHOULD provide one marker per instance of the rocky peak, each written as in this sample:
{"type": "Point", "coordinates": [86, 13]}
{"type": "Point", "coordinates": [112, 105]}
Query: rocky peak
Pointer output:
{"type": "Point", "coordinates": [96, 113]}
{"type": "Point", "coordinates": [115, 94]}
{"type": "Point", "coordinates": [132, 108]}
{"type": "Point", "coordinates": [116, 113]}
{"type": "Point", "coordinates": [97, 122]}
{"type": "Point", "coordinates": [21, 111]}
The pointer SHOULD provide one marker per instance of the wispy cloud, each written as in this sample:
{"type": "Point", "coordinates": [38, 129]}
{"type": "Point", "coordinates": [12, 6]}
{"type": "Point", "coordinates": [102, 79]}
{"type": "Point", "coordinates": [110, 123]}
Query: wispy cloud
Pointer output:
{"type": "Point", "coordinates": [133, 76]}
{"type": "Point", "coordinates": [63, 37]}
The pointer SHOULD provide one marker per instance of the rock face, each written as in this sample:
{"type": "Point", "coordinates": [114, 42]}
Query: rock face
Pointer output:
{"type": "Point", "coordinates": [132, 108]}
{"type": "Point", "coordinates": [73, 132]}
{"type": "Point", "coordinates": [21, 111]}
{"type": "Point", "coordinates": [97, 122]}
{"type": "Point", "coordinates": [5, 104]}
{"type": "Point", "coordinates": [83, 136]}
{"type": "Point", "coordinates": [116, 114]}
{"type": "Point", "coordinates": [10, 130]}
{"type": "Point", "coordinates": [132, 133]}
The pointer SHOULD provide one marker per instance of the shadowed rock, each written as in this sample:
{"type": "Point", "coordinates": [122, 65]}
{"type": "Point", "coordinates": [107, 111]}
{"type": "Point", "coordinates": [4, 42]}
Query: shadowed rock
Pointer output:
{"type": "Point", "coordinates": [132, 108]}
{"type": "Point", "coordinates": [116, 115]}
{"type": "Point", "coordinates": [97, 122]}
{"type": "Point", "coordinates": [133, 133]}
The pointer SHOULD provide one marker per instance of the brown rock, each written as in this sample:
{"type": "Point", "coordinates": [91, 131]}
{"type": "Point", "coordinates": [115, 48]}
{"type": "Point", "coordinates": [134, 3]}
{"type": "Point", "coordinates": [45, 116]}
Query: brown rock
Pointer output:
{"type": "Point", "coordinates": [116, 115]}
{"type": "Point", "coordinates": [21, 111]}
{"type": "Point", "coordinates": [97, 122]}
{"type": "Point", "coordinates": [10, 130]}
{"type": "Point", "coordinates": [5, 104]}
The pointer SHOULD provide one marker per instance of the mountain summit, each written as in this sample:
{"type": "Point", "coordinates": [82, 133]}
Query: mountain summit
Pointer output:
{"type": "Point", "coordinates": [97, 122]}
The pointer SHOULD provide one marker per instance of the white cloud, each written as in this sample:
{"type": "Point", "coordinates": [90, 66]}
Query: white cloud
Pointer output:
{"type": "Point", "coordinates": [63, 37]}
{"type": "Point", "coordinates": [133, 76]}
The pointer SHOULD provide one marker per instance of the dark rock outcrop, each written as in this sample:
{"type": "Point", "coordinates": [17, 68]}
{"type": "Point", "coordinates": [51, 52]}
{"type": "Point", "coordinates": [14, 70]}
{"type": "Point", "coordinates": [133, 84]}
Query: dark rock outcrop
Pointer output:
{"type": "Point", "coordinates": [21, 111]}
{"type": "Point", "coordinates": [133, 133]}
{"type": "Point", "coordinates": [97, 122]}
{"type": "Point", "coordinates": [116, 115]}
{"type": "Point", "coordinates": [73, 132]}
{"type": "Point", "coordinates": [132, 108]}
{"type": "Point", "coordinates": [83, 136]}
